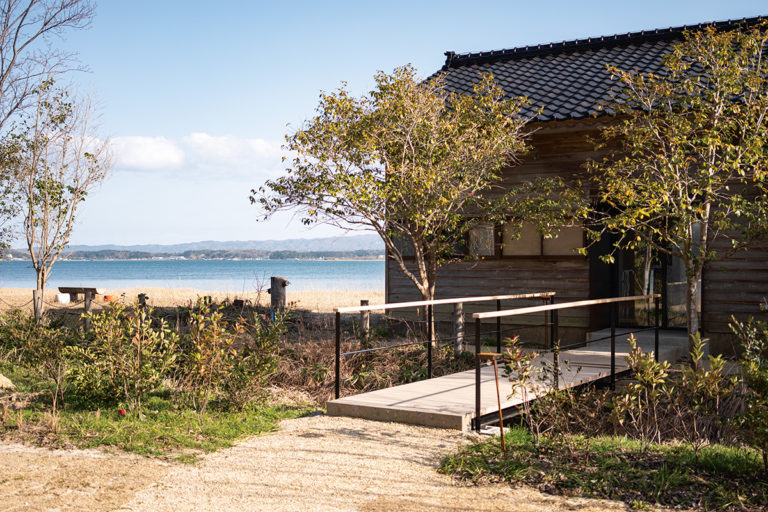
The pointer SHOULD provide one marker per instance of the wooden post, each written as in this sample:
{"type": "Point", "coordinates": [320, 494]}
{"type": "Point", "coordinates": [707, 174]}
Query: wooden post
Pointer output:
{"type": "Point", "coordinates": [365, 319]}
{"type": "Point", "coordinates": [277, 292]}
{"type": "Point", "coordinates": [87, 308]}
{"type": "Point", "coordinates": [458, 328]}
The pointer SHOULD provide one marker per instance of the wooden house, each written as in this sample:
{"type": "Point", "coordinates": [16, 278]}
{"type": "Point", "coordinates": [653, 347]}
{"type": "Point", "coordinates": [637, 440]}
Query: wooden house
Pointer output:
{"type": "Point", "coordinates": [570, 82]}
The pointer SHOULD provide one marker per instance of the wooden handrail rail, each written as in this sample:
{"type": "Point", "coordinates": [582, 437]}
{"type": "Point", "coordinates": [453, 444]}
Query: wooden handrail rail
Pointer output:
{"type": "Point", "coordinates": [400, 305]}
{"type": "Point", "coordinates": [562, 305]}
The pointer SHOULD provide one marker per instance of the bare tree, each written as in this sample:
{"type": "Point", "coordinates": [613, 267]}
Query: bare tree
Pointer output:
{"type": "Point", "coordinates": [54, 163]}
{"type": "Point", "coordinates": [28, 29]}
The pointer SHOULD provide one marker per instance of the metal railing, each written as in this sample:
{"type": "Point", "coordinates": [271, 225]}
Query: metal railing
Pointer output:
{"type": "Point", "coordinates": [553, 309]}
{"type": "Point", "coordinates": [428, 341]}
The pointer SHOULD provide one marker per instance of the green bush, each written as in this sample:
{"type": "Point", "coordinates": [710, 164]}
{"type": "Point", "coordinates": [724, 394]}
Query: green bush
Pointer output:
{"type": "Point", "coordinates": [256, 360]}
{"type": "Point", "coordinates": [209, 354]}
{"type": "Point", "coordinates": [754, 369]}
{"type": "Point", "coordinates": [127, 356]}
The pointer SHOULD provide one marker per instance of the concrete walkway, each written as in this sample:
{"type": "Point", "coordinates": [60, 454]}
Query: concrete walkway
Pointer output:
{"type": "Point", "coordinates": [449, 401]}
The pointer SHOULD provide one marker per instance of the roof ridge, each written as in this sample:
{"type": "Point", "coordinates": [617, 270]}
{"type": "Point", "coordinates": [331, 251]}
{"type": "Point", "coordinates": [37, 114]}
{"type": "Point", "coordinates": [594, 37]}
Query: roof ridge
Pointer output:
{"type": "Point", "coordinates": [455, 60]}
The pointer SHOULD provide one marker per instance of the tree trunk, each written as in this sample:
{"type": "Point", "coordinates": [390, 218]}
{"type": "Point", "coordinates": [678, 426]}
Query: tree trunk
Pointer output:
{"type": "Point", "coordinates": [691, 312]}
{"type": "Point", "coordinates": [37, 296]}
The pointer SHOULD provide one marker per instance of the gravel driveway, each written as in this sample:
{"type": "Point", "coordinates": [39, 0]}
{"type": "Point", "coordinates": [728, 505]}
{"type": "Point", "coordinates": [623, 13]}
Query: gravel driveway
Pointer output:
{"type": "Point", "coordinates": [324, 463]}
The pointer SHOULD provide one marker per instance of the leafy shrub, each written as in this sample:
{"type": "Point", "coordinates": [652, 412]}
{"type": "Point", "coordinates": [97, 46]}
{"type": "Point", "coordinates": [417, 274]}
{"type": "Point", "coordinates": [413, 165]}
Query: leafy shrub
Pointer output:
{"type": "Point", "coordinates": [127, 357]}
{"type": "Point", "coordinates": [42, 349]}
{"type": "Point", "coordinates": [256, 360]}
{"type": "Point", "coordinates": [698, 398]}
{"type": "Point", "coordinates": [209, 355]}
{"type": "Point", "coordinates": [754, 368]}
{"type": "Point", "coordinates": [639, 409]}
{"type": "Point", "coordinates": [12, 323]}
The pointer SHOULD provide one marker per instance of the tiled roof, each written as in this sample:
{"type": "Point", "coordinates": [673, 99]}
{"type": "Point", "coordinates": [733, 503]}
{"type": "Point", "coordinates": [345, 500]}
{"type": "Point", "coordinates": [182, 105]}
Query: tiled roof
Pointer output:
{"type": "Point", "coordinates": [568, 79]}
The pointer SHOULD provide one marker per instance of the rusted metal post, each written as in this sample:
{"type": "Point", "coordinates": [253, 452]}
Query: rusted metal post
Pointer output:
{"type": "Point", "coordinates": [555, 351]}
{"type": "Point", "coordinates": [458, 328]}
{"type": "Point", "coordinates": [498, 400]}
{"type": "Point", "coordinates": [477, 374]}
{"type": "Point", "coordinates": [656, 330]}
{"type": "Point", "coordinates": [613, 345]}
{"type": "Point", "coordinates": [429, 341]}
{"type": "Point", "coordinates": [498, 327]}
{"type": "Point", "coordinates": [337, 383]}
{"type": "Point", "coordinates": [365, 319]}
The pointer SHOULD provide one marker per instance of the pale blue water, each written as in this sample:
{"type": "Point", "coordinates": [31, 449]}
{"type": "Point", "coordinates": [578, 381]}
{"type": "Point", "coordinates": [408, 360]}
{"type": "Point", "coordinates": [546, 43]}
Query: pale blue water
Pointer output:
{"type": "Point", "coordinates": [202, 275]}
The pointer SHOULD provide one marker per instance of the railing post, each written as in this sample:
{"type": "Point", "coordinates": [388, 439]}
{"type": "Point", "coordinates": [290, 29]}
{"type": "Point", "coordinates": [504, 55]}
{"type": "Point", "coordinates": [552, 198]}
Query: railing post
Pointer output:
{"type": "Point", "coordinates": [429, 341]}
{"type": "Point", "coordinates": [556, 348]}
{"type": "Point", "coordinates": [656, 331]}
{"type": "Point", "coordinates": [613, 345]}
{"type": "Point", "coordinates": [477, 374]}
{"type": "Point", "coordinates": [498, 327]}
{"type": "Point", "coordinates": [337, 385]}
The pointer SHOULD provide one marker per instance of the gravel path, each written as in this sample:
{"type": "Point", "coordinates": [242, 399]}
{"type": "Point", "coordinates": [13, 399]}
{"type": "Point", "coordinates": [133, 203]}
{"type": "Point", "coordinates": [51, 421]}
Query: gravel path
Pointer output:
{"type": "Point", "coordinates": [323, 463]}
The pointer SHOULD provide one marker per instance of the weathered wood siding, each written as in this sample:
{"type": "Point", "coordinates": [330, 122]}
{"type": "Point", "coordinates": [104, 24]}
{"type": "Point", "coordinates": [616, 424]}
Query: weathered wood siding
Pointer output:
{"type": "Point", "coordinates": [733, 286]}
{"type": "Point", "coordinates": [557, 152]}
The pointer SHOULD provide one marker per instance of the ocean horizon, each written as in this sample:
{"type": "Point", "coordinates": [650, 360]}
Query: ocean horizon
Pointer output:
{"type": "Point", "coordinates": [208, 275]}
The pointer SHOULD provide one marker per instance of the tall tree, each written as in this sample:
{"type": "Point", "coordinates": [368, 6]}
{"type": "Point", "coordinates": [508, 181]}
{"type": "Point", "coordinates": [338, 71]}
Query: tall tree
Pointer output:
{"type": "Point", "coordinates": [410, 161]}
{"type": "Point", "coordinates": [691, 162]}
{"type": "Point", "coordinates": [54, 162]}
{"type": "Point", "coordinates": [28, 29]}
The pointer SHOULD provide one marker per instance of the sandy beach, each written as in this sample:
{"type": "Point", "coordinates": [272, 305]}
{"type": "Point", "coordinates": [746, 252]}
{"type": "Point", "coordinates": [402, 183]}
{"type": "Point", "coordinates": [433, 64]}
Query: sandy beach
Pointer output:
{"type": "Point", "coordinates": [314, 300]}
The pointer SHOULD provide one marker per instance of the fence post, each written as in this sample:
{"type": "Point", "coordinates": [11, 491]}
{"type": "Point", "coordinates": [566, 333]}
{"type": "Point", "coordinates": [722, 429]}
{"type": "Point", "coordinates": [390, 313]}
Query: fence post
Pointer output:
{"type": "Point", "coordinates": [656, 330]}
{"type": "Point", "coordinates": [429, 341]}
{"type": "Point", "coordinates": [613, 345]}
{"type": "Point", "coordinates": [477, 374]}
{"type": "Point", "coordinates": [365, 319]}
{"type": "Point", "coordinates": [338, 355]}
{"type": "Point", "coordinates": [458, 328]}
{"type": "Point", "coordinates": [87, 303]}
{"type": "Point", "coordinates": [498, 327]}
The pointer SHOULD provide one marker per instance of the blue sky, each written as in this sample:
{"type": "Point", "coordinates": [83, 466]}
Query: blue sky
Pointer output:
{"type": "Point", "coordinates": [197, 95]}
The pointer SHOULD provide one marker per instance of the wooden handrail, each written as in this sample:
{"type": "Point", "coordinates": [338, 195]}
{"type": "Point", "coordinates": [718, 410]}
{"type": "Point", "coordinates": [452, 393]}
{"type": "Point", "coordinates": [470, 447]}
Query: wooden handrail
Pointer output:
{"type": "Point", "coordinates": [562, 305]}
{"type": "Point", "coordinates": [400, 305]}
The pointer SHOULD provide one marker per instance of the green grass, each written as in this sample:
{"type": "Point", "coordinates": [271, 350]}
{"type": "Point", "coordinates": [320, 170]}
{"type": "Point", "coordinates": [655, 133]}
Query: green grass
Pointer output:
{"type": "Point", "coordinates": [165, 429]}
{"type": "Point", "coordinates": [621, 469]}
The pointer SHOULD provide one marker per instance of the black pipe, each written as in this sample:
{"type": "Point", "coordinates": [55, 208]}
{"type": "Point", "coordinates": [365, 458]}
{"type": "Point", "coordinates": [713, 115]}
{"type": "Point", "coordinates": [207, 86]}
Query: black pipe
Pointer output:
{"type": "Point", "coordinates": [337, 384]}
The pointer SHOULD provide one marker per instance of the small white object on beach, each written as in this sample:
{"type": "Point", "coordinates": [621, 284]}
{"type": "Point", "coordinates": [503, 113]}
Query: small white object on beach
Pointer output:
{"type": "Point", "coordinates": [62, 298]}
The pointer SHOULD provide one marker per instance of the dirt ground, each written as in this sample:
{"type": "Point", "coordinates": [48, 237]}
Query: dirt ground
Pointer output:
{"type": "Point", "coordinates": [314, 463]}
{"type": "Point", "coordinates": [38, 479]}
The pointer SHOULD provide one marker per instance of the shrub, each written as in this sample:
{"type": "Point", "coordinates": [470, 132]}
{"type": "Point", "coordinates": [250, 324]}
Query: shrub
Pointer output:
{"type": "Point", "coordinates": [754, 369]}
{"type": "Point", "coordinates": [640, 408]}
{"type": "Point", "coordinates": [42, 349]}
{"type": "Point", "coordinates": [209, 354]}
{"type": "Point", "coordinates": [698, 400]}
{"type": "Point", "coordinates": [256, 360]}
{"type": "Point", "coordinates": [128, 355]}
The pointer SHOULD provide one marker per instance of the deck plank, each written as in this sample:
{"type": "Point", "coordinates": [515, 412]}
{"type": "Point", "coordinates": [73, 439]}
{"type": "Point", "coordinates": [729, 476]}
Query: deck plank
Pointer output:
{"type": "Point", "coordinates": [449, 401]}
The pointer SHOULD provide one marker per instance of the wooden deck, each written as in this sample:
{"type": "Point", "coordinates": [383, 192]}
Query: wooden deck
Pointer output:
{"type": "Point", "coordinates": [449, 401]}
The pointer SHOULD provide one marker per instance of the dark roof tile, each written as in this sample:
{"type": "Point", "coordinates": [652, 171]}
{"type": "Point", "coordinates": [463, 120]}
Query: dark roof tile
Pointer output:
{"type": "Point", "coordinates": [569, 79]}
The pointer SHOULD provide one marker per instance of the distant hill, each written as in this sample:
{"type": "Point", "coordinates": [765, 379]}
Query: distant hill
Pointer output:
{"type": "Point", "coordinates": [349, 247]}
{"type": "Point", "coordinates": [333, 244]}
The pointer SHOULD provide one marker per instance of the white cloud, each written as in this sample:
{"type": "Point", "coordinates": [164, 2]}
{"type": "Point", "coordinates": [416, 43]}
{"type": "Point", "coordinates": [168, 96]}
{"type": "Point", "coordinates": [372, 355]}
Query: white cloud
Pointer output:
{"type": "Point", "coordinates": [146, 153]}
{"type": "Point", "coordinates": [207, 154]}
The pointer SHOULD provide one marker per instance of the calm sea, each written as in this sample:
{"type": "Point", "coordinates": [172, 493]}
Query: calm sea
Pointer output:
{"type": "Point", "coordinates": [202, 275]}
